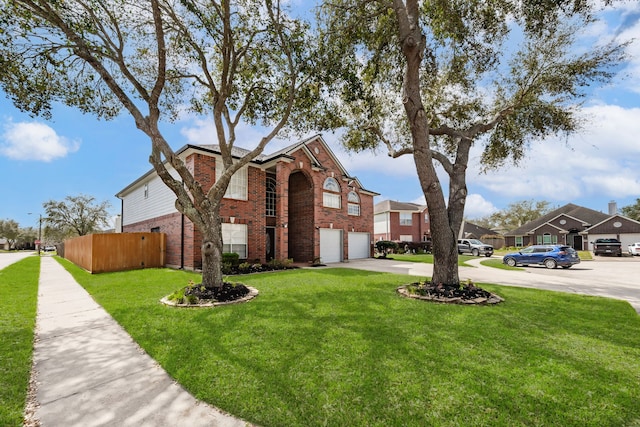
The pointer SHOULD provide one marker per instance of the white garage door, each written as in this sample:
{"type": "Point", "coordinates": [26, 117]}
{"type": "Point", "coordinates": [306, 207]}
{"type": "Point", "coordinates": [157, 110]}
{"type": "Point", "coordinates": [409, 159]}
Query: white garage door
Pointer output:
{"type": "Point", "coordinates": [330, 245]}
{"type": "Point", "coordinates": [358, 245]}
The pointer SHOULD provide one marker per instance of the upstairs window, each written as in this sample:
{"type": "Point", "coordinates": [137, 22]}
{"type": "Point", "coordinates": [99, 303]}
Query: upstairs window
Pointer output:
{"type": "Point", "coordinates": [331, 197]}
{"type": "Point", "coordinates": [406, 218]}
{"type": "Point", "coordinates": [353, 203]}
{"type": "Point", "coordinates": [238, 184]}
{"type": "Point", "coordinates": [271, 196]}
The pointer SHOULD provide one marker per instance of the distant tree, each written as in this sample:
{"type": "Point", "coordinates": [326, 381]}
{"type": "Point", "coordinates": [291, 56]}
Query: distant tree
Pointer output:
{"type": "Point", "coordinates": [236, 62]}
{"type": "Point", "coordinates": [431, 79]}
{"type": "Point", "coordinates": [517, 214]}
{"type": "Point", "coordinates": [632, 211]}
{"type": "Point", "coordinates": [77, 215]}
{"type": "Point", "coordinates": [10, 230]}
{"type": "Point", "coordinates": [27, 238]}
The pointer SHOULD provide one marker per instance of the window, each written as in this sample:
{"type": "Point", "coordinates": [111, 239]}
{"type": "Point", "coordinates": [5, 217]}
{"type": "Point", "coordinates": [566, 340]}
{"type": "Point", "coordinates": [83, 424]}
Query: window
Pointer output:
{"type": "Point", "coordinates": [237, 188]}
{"type": "Point", "coordinates": [547, 239]}
{"type": "Point", "coordinates": [353, 205]}
{"type": "Point", "coordinates": [234, 239]}
{"type": "Point", "coordinates": [331, 197]}
{"type": "Point", "coordinates": [155, 230]}
{"type": "Point", "coordinates": [518, 241]}
{"type": "Point", "coordinates": [406, 238]}
{"type": "Point", "coordinates": [146, 190]}
{"type": "Point", "coordinates": [406, 218]}
{"type": "Point", "coordinates": [271, 196]}
{"type": "Point", "coordinates": [426, 218]}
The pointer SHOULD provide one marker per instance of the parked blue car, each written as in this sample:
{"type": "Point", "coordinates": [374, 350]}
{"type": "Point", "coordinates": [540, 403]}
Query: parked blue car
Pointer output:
{"type": "Point", "coordinates": [550, 256]}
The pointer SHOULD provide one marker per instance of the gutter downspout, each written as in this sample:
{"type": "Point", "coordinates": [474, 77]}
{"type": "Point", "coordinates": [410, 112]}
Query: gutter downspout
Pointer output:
{"type": "Point", "coordinates": [182, 242]}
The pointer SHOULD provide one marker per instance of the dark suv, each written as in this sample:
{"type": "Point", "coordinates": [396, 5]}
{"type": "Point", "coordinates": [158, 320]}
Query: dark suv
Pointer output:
{"type": "Point", "coordinates": [550, 256]}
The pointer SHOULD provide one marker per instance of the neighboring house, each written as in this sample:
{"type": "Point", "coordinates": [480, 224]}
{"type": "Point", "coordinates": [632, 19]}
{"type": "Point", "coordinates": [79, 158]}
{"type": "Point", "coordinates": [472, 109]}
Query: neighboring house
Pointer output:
{"type": "Point", "coordinates": [401, 222]}
{"type": "Point", "coordinates": [4, 244]}
{"type": "Point", "coordinates": [297, 203]}
{"type": "Point", "coordinates": [575, 226]}
{"type": "Point", "coordinates": [486, 235]}
{"type": "Point", "coordinates": [473, 231]}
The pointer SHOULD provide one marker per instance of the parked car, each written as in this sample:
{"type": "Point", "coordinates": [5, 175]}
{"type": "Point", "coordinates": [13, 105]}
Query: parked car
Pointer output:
{"type": "Point", "coordinates": [49, 248]}
{"type": "Point", "coordinates": [634, 248]}
{"type": "Point", "coordinates": [550, 256]}
{"type": "Point", "coordinates": [474, 247]}
{"type": "Point", "coordinates": [607, 247]}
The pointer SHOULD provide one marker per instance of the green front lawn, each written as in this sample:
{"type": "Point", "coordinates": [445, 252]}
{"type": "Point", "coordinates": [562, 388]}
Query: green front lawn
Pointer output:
{"type": "Point", "coordinates": [18, 299]}
{"type": "Point", "coordinates": [428, 258]}
{"type": "Point", "coordinates": [338, 347]}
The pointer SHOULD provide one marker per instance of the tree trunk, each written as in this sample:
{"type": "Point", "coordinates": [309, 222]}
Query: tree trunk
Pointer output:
{"type": "Point", "coordinates": [212, 252]}
{"type": "Point", "coordinates": [445, 244]}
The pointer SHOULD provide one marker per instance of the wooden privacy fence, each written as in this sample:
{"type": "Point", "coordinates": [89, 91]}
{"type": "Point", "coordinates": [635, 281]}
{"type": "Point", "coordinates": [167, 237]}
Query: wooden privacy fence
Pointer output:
{"type": "Point", "coordinates": [100, 253]}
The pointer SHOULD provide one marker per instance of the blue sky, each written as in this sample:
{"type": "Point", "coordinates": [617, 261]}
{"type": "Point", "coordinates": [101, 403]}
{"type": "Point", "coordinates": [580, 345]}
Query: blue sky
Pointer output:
{"type": "Point", "coordinates": [76, 154]}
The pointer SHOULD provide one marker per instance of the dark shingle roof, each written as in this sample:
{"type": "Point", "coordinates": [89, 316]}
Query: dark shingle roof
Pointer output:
{"type": "Point", "coordinates": [587, 216]}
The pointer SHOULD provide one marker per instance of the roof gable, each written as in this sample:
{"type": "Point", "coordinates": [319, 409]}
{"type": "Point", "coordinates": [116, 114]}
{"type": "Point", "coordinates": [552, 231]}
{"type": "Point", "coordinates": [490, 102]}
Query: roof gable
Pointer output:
{"type": "Point", "coordinates": [615, 224]}
{"type": "Point", "coordinates": [587, 216]}
{"type": "Point", "coordinates": [394, 206]}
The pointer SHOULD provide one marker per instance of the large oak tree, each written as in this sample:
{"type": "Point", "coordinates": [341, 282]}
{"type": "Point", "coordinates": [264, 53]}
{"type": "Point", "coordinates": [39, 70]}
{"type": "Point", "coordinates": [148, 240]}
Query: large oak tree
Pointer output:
{"type": "Point", "coordinates": [233, 61]}
{"type": "Point", "coordinates": [433, 78]}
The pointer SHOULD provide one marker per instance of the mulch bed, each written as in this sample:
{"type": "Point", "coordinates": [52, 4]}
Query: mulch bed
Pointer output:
{"type": "Point", "coordinates": [227, 292]}
{"type": "Point", "coordinates": [452, 294]}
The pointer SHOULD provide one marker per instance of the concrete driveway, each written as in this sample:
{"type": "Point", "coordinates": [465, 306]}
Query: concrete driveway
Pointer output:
{"type": "Point", "coordinates": [604, 276]}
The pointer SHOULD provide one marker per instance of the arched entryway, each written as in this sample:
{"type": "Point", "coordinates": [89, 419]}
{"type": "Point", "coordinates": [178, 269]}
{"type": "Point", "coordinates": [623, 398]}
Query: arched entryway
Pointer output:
{"type": "Point", "coordinates": [301, 220]}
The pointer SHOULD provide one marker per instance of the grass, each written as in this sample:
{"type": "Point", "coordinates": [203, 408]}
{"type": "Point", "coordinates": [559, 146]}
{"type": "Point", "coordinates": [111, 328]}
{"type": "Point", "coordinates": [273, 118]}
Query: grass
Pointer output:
{"type": "Point", "coordinates": [335, 347]}
{"type": "Point", "coordinates": [428, 258]}
{"type": "Point", "coordinates": [18, 299]}
{"type": "Point", "coordinates": [497, 263]}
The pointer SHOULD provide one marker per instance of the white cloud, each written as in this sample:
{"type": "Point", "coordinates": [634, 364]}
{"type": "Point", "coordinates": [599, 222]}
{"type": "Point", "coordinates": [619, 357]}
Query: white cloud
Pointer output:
{"type": "Point", "coordinates": [478, 207]}
{"type": "Point", "coordinates": [34, 141]}
{"type": "Point", "coordinates": [602, 160]}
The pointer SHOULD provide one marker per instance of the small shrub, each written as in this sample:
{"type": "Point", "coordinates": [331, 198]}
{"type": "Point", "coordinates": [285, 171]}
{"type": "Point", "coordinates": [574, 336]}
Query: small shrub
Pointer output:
{"type": "Point", "coordinates": [385, 246]}
{"type": "Point", "coordinates": [231, 258]}
{"type": "Point", "coordinates": [177, 296]}
{"type": "Point", "coordinates": [244, 267]}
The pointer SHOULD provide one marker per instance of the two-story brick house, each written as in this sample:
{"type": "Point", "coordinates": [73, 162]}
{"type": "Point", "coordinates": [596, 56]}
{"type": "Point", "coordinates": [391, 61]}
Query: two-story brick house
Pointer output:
{"type": "Point", "coordinates": [297, 203]}
{"type": "Point", "coordinates": [401, 222]}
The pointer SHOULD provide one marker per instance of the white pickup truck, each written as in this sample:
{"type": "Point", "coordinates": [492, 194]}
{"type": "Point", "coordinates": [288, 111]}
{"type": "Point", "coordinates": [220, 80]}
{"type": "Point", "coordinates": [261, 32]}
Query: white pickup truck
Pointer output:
{"type": "Point", "coordinates": [474, 247]}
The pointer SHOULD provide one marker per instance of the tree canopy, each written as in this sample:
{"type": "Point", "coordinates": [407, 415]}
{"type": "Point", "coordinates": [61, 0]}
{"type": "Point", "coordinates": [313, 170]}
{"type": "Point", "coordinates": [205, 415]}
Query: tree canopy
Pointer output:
{"type": "Point", "coordinates": [76, 216]}
{"type": "Point", "coordinates": [516, 214]}
{"type": "Point", "coordinates": [232, 61]}
{"type": "Point", "coordinates": [434, 78]}
{"type": "Point", "coordinates": [632, 211]}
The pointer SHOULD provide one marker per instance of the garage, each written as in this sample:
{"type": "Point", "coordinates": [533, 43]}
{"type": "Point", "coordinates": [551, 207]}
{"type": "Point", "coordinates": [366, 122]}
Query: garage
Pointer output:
{"type": "Point", "coordinates": [358, 245]}
{"type": "Point", "coordinates": [330, 245]}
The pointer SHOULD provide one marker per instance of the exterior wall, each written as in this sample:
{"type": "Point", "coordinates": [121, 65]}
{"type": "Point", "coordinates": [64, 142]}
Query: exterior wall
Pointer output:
{"type": "Point", "coordinates": [184, 242]}
{"type": "Point", "coordinates": [388, 226]}
{"type": "Point", "coordinates": [328, 218]}
{"type": "Point", "coordinates": [159, 201]}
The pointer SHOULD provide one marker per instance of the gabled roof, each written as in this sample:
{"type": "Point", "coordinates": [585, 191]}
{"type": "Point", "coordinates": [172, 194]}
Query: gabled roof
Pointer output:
{"type": "Point", "coordinates": [473, 231]}
{"type": "Point", "coordinates": [264, 160]}
{"type": "Point", "coordinates": [393, 206]}
{"type": "Point", "coordinates": [588, 217]}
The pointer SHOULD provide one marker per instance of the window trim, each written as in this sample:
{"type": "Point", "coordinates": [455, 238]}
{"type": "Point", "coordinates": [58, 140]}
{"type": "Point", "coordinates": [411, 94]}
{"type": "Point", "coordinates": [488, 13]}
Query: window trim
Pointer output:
{"type": "Point", "coordinates": [330, 197]}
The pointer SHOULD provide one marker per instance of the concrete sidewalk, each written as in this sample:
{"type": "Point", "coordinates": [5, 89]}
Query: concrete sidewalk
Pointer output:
{"type": "Point", "coordinates": [89, 372]}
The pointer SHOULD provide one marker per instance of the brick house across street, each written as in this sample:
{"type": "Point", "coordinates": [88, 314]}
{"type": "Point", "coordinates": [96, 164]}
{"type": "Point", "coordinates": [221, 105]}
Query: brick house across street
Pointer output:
{"type": "Point", "coordinates": [577, 227]}
{"type": "Point", "coordinates": [401, 222]}
{"type": "Point", "coordinates": [297, 203]}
